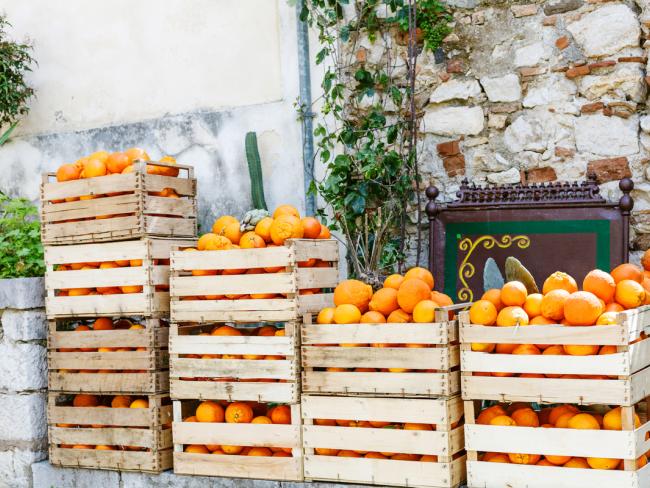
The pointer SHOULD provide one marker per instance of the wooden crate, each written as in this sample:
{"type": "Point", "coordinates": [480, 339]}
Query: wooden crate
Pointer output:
{"type": "Point", "coordinates": [234, 379]}
{"type": "Point", "coordinates": [627, 444]}
{"type": "Point", "coordinates": [231, 466]}
{"type": "Point", "coordinates": [628, 369]}
{"type": "Point", "coordinates": [187, 291]}
{"type": "Point", "coordinates": [136, 371]}
{"type": "Point", "coordinates": [152, 276]}
{"type": "Point", "coordinates": [145, 428]}
{"type": "Point", "coordinates": [446, 441]}
{"type": "Point", "coordinates": [432, 369]}
{"type": "Point", "coordinates": [124, 207]}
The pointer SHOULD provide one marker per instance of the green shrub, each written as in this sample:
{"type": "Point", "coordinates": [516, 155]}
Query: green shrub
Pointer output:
{"type": "Point", "coordinates": [21, 252]}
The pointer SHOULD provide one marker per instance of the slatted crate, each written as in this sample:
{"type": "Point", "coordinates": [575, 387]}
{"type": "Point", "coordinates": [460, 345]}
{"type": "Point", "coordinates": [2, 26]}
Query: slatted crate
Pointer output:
{"type": "Point", "coordinates": [249, 376]}
{"type": "Point", "coordinates": [628, 444]}
{"type": "Point", "coordinates": [108, 361]}
{"type": "Point", "coordinates": [446, 441]}
{"type": "Point", "coordinates": [428, 366]}
{"type": "Point", "coordinates": [188, 293]}
{"type": "Point", "coordinates": [149, 279]}
{"type": "Point", "coordinates": [118, 206]}
{"type": "Point", "coordinates": [250, 435]}
{"type": "Point", "coordinates": [141, 437]}
{"type": "Point", "coordinates": [622, 378]}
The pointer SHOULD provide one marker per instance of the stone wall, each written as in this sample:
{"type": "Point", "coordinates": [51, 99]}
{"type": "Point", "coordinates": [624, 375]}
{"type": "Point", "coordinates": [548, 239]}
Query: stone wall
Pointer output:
{"type": "Point", "coordinates": [23, 380]}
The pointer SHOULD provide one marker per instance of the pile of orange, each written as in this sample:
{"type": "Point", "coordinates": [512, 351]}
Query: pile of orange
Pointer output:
{"type": "Point", "coordinates": [375, 425]}
{"type": "Point", "coordinates": [521, 414]}
{"type": "Point", "coordinates": [106, 290]}
{"type": "Point", "coordinates": [269, 232]}
{"type": "Point", "coordinates": [240, 413]}
{"type": "Point", "coordinates": [602, 297]}
{"type": "Point", "coordinates": [402, 299]}
{"type": "Point", "coordinates": [118, 401]}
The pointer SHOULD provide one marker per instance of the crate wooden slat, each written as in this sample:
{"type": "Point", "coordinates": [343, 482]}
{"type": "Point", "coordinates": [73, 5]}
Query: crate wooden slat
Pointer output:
{"type": "Point", "coordinates": [152, 301]}
{"type": "Point", "coordinates": [436, 364]}
{"type": "Point", "coordinates": [146, 428]}
{"type": "Point", "coordinates": [628, 370]}
{"type": "Point", "coordinates": [446, 441]}
{"type": "Point", "coordinates": [625, 444]}
{"type": "Point", "coordinates": [254, 435]}
{"type": "Point", "coordinates": [185, 288]}
{"type": "Point", "coordinates": [123, 371]}
{"type": "Point", "coordinates": [125, 204]}
{"type": "Point", "coordinates": [230, 379]}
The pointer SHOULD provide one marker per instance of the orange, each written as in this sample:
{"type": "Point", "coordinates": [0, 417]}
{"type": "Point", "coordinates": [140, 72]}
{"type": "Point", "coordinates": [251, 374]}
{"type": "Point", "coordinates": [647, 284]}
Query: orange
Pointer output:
{"type": "Point", "coordinates": [557, 460]}
{"type": "Point", "coordinates": [546, 462]}
{"type": "Point", "coordinates": [523, 458]}
{"type": "Point", "coordinates": [514, 293]}
{"type": "Point", "coordinates": [601, 284]}
{"type": "Point", "coordinates": [372, 318]}
{"type": "Point", "coordinates": [513, 407]}
{"type": "Point", "coordinates": [323, 451]}
{"type": "Point", "coordinates": [420, 274]}
{"type": "Point", "coordinates": [197, 449]}
{"type": "Point", "coordinates": [393, 281]}
{"type": "Point", "coordinates": [489, 413]}
{"type": "Point", "coordinates": [225, 330]}
{"type": "Point", "coordinates": [483, 347]}
{"type": "Point", "coordinates": [525, 417]}
{"type": "Point", "coordinates": [221, 223]}
{"type": "Point", "coordinates": [286, 210]}
{"type": "Point", "coordinates": [121, 401]}
{"type": "Point", "coordinates": [483, 312]}
{"type": "Point", "coordinates": [493, 295]}
{"type": "Point", "coordinates": [117, 162]}
{"type": "Point", "coordinates": [239, 413]}
{"type": "Point", "coordinates": [405, 457]}
{"type": "Point", "coordinates": [384, 301]}
{"type": "Point", "coordinates": [281, 415]}
{"type": "Point", "coordinates": [563, 421]}
{"type": "Point", "coordinates": [645, 260]}
{"type": "Point", "coordinates": [416, 426]}
{"type": "Point", "coordinates": [136, 154]}
{"type": "Point", "coordinates": [496, 458]}
{"type": "Point", "coordinates": [627, 271]}
{"type": "Point", "coordinates": [603, 463]}
{"type": "Point", "coordinates": [262, 419]}
{"type": "Point", "coordinates": [260, 451]}
{"type": "Point", "coordinates": [511, 316]}
{"type": "Point", "coordinates": [505, 348]}
{"type": "Point", "coordinates": [347, 314]}
{"type": "Point", "coordinates": [232, 232]}
{"type": "Point", "coordinates": [103, 324]}
{"type": "Point", "coordinates": [131, 289]}
{"type": "Point", "coordinates": [411, 292]}
{"type": "Point", "coordinates": [526, 349]}
{"type": "Point", "coordinates": [629, 293]}
{"type": "Point", "coordinates": [139, 403]}
{"type": "Point", "coordinates": [250, 240]}
{"type": "Point", "coordinates": [324, 233]}
{"type": "Point", "coordinates": [353, 292]}
{"type": "Point", "coordinates": [325, 316]}
{"type": "Point", "coordinates": [582, 308]}
{"type": "Point", "coordinates": [376, 455]}
{"type": "Point", "coordinates": [503, 420]}
{"type": "Point", "coordinates": [213, 242]}
{"type": "Point", "coordinates": [583, 421]}
{"type": "Point", "coordinates": [209, 411]}
{"type": "Point", "coordinates": [424, 312]}
{"type": "Point", "coordinates": [559, 281]}
{"type": "Point", "coordinates": [399, 316]}
{"type": "Point", "coordinates": [263, 229]}
{"type": "Point", "coordinates": [285, 227]}
{"type": "Point", "coordinates": [541, 320]}
{"type": "Point", "coordinates": [104, 448]}
{"type": "Point", "coordinates": [577, 462]}
{"type": "Point", "coordinates": [441, 299]}
{"type": "Point", "coordinates": [533, 305]}
{"type": "Point", "coordinates": [607, 350]}
{"type": "Point", "coordinates": [232, 449]}
{"type": "Point", "coordinates": [607, 318]}
{"type": "Point", "coordinates": [84, 400]}
{"type": "Point", "coordinates": [68, 172]}
{"type": "Point", "coordinates": [560, 410]}
{"type": "Point", "coordinates": [581, 350]}
{"type": "Point", "coordinates": [553, 304]}
{"type": "Point", "coordinates": [93, 168]}
{"type": "Point", "coordinates": [311, 227]}
{"type": "Point", "coordinates": [612, 420]}
{"type": "Point", "coordinates": [346, 453]}
{"type": "Point", "coordinates": [614, 307]}
{"type": "Point", "coordinates": [555, 350]}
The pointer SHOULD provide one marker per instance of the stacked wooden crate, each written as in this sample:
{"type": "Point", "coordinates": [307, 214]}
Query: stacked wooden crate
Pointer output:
{"type": "Point", "coordinates": [380, 403]}
{"type": "Point", "coordinates": [234, 346]}
{"type": "Point", "coordinates": [107, 244]}
{"type": "Point", "coordinates": [594, 383]}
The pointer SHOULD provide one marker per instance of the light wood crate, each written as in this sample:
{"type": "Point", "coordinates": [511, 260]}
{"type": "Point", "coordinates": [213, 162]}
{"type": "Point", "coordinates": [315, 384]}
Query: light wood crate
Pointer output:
{"type": "Point", "coordinates": [152, 301]}
{"type": "Point", "coordinates": [437, 363]}
{"type": "Point", "coordinates": [230, 379]}
{"type": "Point", "coordinates": [146, 428]}
{"type": "Point", "coordinates": [124, 204]}
{"type": "Point", "coordinates": [628, 369]}
{"type": "Point", "coordinates": [185, 288]}
{"type": "Point", "coordinates": [627, 444]}
{"type": "Point", "coordinates": [236, 466]}
{"type": "Point", "coordinates": [446, 441]}
{"type": "Point", "coordinates": [122, 371]}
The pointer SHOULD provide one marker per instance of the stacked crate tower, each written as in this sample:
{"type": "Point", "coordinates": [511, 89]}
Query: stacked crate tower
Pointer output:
{"type": "Point", "coordinates": [107, 243]}
{"type": "Point", "coordinates": [234, 355]}
{"type": "Point", "coordinates": [612, 386]}
{"type": "Point", "coordinates": [381, 403]}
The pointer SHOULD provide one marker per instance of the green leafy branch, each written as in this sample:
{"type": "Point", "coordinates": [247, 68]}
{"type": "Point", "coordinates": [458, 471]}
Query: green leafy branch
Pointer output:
{"type": "Point", "coordinates": [21, 252]}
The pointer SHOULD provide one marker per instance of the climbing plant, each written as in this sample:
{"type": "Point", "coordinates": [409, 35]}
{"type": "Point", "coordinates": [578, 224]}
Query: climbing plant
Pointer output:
{"type": "Point", "coordinates": [21, 252]}
{"type": "Point", "coordinates": [15, 62]}
{"type": "Point", "coordinates": [367, 130]}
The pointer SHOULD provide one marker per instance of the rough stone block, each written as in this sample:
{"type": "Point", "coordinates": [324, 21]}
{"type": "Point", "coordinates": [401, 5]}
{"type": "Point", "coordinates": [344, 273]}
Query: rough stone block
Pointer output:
{"type": "Point", "coordinates": [24, 325]}
{"type": "Point", "coordinates": [46, 475]}
{"type": "Point", "coordinates": [456, 89]}
{"type": "Point", "coordinates": [505, 177]}
{"type": "Point", "coordinates": [22, 419]}
{"type": "Point", "coordinates": [611, 169]}
{"type": "Point", "coordinates": [16, 467]}
{"type": "Point", "coordinates": [561, 6]}
{"type": "Point", "coordinates": [455, 66]}
{"type": "Point", "coordinates": [502, 89]}
{"type": "Point", "coordinates": [530, 55]}
{"type": "Point", "coordinates": [23, 367]}
{"type": "Point", "coordinates": [497, 121]}
{"type": "Point", "coordinates": [564, 152]}
{"type": "Point", "coordinates": [524, 10]}
{"type": "Point", "coordinates": [590, 108]}
{"type": "Point", "coordinates": [450, 121]}
{"type": "Point", "coordinates": [607, 136]}
{"type": "Point", "coordinates": [22, 293]}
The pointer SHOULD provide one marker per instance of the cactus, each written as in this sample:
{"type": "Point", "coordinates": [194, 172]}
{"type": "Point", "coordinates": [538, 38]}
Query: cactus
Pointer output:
{"type": "Point", "coordinates": [251, 219]}
{"type": "Point", "coordinates": [255, 171]}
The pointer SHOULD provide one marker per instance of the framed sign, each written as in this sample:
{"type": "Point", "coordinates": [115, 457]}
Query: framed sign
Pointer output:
{"type": "Point", "coordinates": [548, 227]}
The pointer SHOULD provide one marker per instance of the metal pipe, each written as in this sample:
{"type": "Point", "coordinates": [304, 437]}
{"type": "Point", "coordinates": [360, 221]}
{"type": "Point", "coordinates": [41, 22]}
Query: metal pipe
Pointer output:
{"type": "Point", "coordinates": [306, 103]}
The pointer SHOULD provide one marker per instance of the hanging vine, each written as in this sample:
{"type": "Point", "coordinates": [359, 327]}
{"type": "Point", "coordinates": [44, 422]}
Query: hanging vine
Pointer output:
{"type": "Point", "coordinates": [367, 135]}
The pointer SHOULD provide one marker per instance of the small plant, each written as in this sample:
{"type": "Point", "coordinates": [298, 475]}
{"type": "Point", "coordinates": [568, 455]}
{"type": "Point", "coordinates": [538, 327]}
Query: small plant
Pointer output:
{"type": "Point", "coordinates": [21, 252]}
{"type": "Point", "coordinates": [15, 62]}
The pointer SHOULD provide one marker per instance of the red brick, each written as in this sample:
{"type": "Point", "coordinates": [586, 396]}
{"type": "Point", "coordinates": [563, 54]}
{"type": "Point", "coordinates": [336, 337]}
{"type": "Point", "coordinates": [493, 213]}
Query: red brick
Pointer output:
{"type": "Point", "coordinates": [564, 152]}
{"type": "Point", "coordinates": [610, 169]}
{"type": "Point", "coordinates": [539, 175]}
{"type": "Point", "coordinates": [633, 59]}
{"type": "Point", "coordinates": [562, 42]}
{"type": "Point", "coordinates": [590, 108]}
{"type": "Point", "coordinates": [577, 71]}
{"type": "Point", "coordinates": [455, 66]}
{"type": "Point", "coordinates": [454, 165]}
{"type": "Point", "coordinates": [362, 55]}
{"type": "Point", "coordinates": [449, 148]}
{"type": "Point", "coordinates": [602, 64]}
